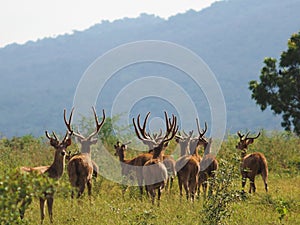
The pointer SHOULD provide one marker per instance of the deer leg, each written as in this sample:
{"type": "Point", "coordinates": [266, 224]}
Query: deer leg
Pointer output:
{"type": "Point", "coordinates": [180, 187]}
{"type": "Point", "coordinates": [167, 184]}
{"type": "Point", "coordinates": [204, 187]}
{"type": "Point", "coordinates": [42, 209]}
{"type": "Point", "coordinates": [252, 185]}
{"type": "Point", "coordinates": [186, 188]}
{"type": "Point", "coordinates": [265, 178]}
{"type": "Point", "coordinates": [89, 186]}
{"type": "Point", "coordinates": [140, 181]}
{"type": "Point", "coordinates": [198, 189]}
{"type": "Point", "coordinates": [50, 206]}
{"type": "Point", "coordinates": [81, 190]}
{"type": "Point", "coordinates": [153, 194]}
{"type": "Point", "coordinates": [171, 182]}
{"type": "Point", "coordinates": [192, 188]}
{"type": "Point", "coordinates": [243, 183]}
{"type": "Point", "coordinates": [158, 196]}
{"type": "Point", "coordinates": [23, 207]}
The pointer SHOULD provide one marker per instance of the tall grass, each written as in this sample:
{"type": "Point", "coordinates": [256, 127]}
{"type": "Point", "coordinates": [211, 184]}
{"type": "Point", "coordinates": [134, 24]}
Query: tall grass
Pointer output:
{"type": "Point", "coordinates": [279, 206]}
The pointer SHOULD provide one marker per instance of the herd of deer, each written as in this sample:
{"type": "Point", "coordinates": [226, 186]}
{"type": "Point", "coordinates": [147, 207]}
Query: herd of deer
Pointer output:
{"type": "Point", "coordinates": [153, 170]}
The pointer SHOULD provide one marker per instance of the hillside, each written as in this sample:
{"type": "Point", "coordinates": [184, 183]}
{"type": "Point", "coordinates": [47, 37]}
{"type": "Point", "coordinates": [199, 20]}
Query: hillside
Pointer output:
{"type": "Point", "coordinates": [39, 79]}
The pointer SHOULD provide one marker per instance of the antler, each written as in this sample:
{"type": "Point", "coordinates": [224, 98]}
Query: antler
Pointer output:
{"type": "Point", "coordinates": [141, 131]}
{"type": "Point", "coordinates": [172, 128]}
{"type": "Point", "coordinates": [246, 136]}
{"type": "Point", "coordinates": [240, 135]}
{"type": "Point", "coordinates": [252, 137]}
{"type": "Point", "coordinates": [77, 134]}
{"type": "Point", "coordinates": [68, 124]}
{"type": "Point", "coordinates": [98, 125]}
{"type": "Point", "coordinates": [203, 131]}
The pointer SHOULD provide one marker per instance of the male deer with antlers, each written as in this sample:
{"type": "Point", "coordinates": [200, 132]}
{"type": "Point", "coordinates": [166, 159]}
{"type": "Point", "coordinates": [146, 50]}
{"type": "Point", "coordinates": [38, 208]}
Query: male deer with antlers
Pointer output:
{"type": "Point", "coordinates": [152, 142]}
{"type": "Point", "coordinates": [80, 167]}
{"type": "Point", "coordinates": [55, 171]}
{"type": "Point", "coordinates": [188, 166]}
{"type": "Point", "coordinates": [208, 166]}
{"type": "Point", "coordinates": [252, 164]}
{"type": "Point", "coordinates": [154, 170]}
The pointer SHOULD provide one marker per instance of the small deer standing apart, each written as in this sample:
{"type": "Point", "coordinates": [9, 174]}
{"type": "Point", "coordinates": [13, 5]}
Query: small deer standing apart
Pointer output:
{"type": "Point", "coordinates": [55, 171]}
{"type": "Point", "coordinates": [127, 165]}
{"type": "Point", "coordinates": [252, 164]}
{"type": "Point", "coordinates": [80, 167]}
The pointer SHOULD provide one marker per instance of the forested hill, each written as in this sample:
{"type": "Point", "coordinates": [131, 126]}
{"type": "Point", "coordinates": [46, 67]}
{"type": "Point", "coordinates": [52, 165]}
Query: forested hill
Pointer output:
{"type": "Point", "coordinates": [39, 79]}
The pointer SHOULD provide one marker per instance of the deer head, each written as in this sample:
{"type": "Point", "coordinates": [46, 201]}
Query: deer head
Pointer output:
{"type": "Point", "coordinates": [199, 140]}
{"type": "Point", "coordinates": [60, 147]}
{"type": "Point", "coordinates": [120, 150]}
{"type": "Point", "coordinates": [85, 142]}
{"type": "Point", "coordinates": [245, 140]}
{"type": "Point", "coordinates": [184, 142]}
{"type": "Point", "coordinates": [171, 130]}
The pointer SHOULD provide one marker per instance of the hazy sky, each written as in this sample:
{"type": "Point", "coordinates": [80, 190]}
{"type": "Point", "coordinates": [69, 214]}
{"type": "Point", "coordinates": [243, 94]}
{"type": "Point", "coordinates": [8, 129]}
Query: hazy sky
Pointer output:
{"type": "Point", "coordinates": [23, 20]}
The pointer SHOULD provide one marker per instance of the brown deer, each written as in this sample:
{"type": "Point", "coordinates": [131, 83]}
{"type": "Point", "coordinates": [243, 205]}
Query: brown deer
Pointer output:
{"type": "Point", "coordinates": [127, 165]}
{"type": "Point", "coordinates": [154, 171]}
{"type": "Point", "coordinates": [80, 166]}
{"type": "Point", "coordinates": [208, 166]}
{"type": "Point", "coordinates": [252, 164]}
{"type": "Point", "coordinates": [55, 171]}
{"type": "Point", "coordinates": [153, 142]}
{"type": "Point", "coordinates": [188, 166]}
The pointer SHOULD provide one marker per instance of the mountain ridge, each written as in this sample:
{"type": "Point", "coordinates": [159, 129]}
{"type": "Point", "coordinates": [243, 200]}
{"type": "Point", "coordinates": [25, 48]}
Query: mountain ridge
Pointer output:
{"type": "Point", "coordinates": [39, 78]}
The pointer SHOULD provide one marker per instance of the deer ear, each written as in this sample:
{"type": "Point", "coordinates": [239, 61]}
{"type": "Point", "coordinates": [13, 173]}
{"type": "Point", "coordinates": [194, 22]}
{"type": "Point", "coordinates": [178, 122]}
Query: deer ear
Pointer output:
{"type": "Point", "coordinates": [166, 144]}
{"type": "Point", "coordinates": [53, 142]}
{"type": "Point", "coordinates": [94, 141]}
{"type": "Point", "coordinates": [250, 141]}
{"type": "Point", "coordinates": [69, 141]}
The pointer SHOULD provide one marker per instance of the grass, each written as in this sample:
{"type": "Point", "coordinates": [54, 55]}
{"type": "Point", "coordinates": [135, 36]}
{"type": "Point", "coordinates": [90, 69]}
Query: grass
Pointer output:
{"type": "Point", "coordinates": [108, 207]}
{"type": "Point", "coordinates": [281, 205]}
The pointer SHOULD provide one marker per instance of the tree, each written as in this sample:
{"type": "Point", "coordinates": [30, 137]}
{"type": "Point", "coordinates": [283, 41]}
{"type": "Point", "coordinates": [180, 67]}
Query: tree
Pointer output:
{"type": "Point", "coordinates": [279, 87]}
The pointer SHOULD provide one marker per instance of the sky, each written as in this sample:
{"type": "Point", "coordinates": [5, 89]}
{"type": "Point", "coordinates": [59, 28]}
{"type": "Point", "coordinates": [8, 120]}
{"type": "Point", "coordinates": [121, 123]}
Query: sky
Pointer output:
{"type": "Point", "coordinates": [24, 20]}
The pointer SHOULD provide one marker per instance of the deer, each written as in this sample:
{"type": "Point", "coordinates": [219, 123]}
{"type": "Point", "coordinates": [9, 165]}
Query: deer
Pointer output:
{"type": "Point", "coordinates": [54, 171]}
{"type": "Point", "coordinates": [80, 167]}
{"type": "Point", "coordinates": [152, 142]}
{"type": "Point", "coordinates": [154, 170]}
{"type": "Point", "coordinates": [188, 166]}
{"type": "Point", "coordinates": [184, 142]}
{"type": "Point", "coordinates": [127, 165]}
{"type": "Point", "coordinates": [208, 166]}
{"type": "Point", "coordinates": [252, 164]}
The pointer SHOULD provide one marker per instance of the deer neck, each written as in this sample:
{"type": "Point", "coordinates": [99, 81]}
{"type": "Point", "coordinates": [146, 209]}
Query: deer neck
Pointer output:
{"type": "Point", "coordinates": [243, 153]}
{"type": "Point", "coordinates": [158, 153]}
{"type": "Point", "coordinates": [57, 167]}
{"type": "Point", "coordinates": [185, 148]}
{"type": "Point", "coordinates": [206, 149]}
{"type": "Point", "coordinates": [86, 148]}
{"type": "Point", "coordinates": [122, 157]}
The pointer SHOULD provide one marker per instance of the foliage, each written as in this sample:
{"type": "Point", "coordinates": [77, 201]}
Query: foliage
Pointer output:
{"type": "Point", "coordinates": [17, 191]}
{"type": "Point", "coordinates": [223, 193]}
{"type": "Point", "coordinates": [280, 89]}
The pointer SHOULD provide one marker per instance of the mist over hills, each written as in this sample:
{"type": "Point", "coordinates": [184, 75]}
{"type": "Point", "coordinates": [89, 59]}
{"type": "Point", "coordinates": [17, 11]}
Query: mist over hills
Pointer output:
{"type": "Point", "coordinates": [39, 79]}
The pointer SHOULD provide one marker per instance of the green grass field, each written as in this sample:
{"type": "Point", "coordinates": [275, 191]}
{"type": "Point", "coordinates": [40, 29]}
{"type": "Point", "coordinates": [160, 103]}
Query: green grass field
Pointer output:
{"type": "Point", "coordinates": [281, 205]}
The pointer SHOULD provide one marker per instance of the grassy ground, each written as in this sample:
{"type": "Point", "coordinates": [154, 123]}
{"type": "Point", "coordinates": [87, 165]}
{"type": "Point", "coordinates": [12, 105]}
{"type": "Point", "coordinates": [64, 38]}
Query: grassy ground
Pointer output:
{"type": "Point", "coordinates": [281, 205]}
{"type": "Point", "coordinates": [108, 207]}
